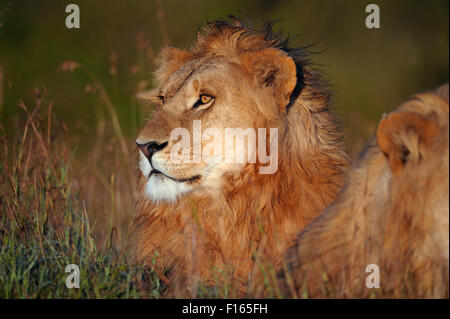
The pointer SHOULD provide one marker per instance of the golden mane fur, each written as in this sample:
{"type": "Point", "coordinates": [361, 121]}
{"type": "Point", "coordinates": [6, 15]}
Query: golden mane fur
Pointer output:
{"type": "Point", "coordinates": [393, 212]}
{"type": "Point", "coordinates": [242, 230]}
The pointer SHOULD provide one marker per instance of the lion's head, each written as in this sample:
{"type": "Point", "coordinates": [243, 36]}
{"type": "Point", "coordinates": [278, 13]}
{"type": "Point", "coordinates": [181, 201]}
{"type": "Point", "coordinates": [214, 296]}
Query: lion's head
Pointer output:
{"type": "Point", "coordinates": [270, 157]}
{"type": "Point", "coordinates": [393, 213]}
{"type": "Point", "coordinates": [232, 79]}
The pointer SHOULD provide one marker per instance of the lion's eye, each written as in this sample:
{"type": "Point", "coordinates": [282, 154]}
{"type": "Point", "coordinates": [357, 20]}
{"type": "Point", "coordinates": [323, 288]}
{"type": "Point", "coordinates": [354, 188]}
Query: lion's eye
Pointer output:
{"type": "Point", "coordinates": [161, 98]}
{"type": "Point", "coordinates": [203, 99]}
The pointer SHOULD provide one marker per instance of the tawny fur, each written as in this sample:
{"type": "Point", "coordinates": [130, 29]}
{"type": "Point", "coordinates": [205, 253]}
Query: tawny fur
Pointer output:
{"type": "Point", "coordinates": [245, 226]}
{"type": "Point", "coordinates": [396, 218]}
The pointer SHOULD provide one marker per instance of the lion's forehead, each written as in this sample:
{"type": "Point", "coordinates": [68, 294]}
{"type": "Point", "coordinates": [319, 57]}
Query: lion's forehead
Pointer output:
{"type": "Point", "coordinates": [194, 69]}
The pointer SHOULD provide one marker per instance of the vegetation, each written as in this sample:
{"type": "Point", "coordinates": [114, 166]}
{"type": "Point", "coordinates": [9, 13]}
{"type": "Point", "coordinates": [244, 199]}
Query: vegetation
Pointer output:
{"type": "Point", "coordinates": [44, 226]}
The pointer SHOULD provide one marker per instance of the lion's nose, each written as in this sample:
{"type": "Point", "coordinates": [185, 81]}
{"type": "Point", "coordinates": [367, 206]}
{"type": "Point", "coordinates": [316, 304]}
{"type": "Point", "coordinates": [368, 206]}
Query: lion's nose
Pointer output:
{"type": "Point", "coordinates": [151, 148]}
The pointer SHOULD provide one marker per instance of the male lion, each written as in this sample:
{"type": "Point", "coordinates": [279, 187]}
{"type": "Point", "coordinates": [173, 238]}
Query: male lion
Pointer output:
{"type": "Point", "coordinates": [225, 220]}
{"type": "Point", "coordinates": [393, 212]}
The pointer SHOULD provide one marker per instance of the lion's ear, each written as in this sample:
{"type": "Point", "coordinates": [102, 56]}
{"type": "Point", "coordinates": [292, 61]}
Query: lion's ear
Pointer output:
{"type": "Point", "coordinates": [273, 69]}
{"type": "Point", "coordinates": [403, 136]}
{"type": "Point", "coordinates": [170, 60]}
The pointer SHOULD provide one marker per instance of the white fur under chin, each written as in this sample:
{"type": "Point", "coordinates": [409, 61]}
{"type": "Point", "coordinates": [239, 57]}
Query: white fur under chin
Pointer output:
{"type": "Point", "coordinates": [159, 187]}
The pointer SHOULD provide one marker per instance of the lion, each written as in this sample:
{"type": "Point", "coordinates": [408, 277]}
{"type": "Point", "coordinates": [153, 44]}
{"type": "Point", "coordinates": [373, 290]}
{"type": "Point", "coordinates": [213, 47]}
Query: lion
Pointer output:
{"type": "Point", "coordinates": [388, 230]}
{"type": "Point", "coordinates": [227, 221]}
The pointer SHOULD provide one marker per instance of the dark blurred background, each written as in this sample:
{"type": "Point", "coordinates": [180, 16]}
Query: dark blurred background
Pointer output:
{"type": "Point", "coordinates": [372, 70]}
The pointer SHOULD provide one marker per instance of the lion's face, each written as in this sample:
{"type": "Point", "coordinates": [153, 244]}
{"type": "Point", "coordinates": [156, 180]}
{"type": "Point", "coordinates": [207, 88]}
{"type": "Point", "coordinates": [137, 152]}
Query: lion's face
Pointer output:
{"type": "Point", "coordinates": [198, 104]}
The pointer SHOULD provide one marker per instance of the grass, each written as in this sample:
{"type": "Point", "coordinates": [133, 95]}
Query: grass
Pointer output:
{"type": "Point", "coordinates": [44, 226]}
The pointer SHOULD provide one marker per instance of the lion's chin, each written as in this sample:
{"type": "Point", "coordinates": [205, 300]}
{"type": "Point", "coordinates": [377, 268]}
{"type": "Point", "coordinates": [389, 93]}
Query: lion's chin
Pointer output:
{"type": "Point", "coordinates": [163, 189]}
{"type": "Point", "coordinates": [160, 187]}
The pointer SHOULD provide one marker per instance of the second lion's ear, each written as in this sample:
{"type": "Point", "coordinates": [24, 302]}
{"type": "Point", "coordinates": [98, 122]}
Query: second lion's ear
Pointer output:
{"type": "Point", "coordinates": [273, 69]}
{"type": "Point", "coordinates": [170, 60]}
{"type": "Point", "coordinates": [403, 136]}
